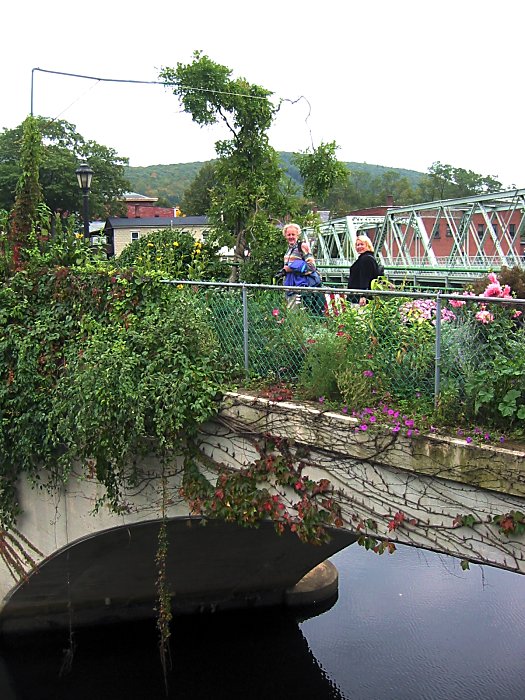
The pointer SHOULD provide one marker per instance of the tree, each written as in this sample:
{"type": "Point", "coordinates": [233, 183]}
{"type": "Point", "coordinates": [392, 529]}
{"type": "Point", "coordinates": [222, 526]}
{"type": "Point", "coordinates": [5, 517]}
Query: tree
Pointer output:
{"type": "Point", "coordinates": [248, 186]}
{"type": "Point", "coordinates": [446, 182]}
{"type": "Point", "coordinates": [62, 150]}
{"type": "Point", "coordinates": [320, 170]}
{"type": "Point", "coordinates": [197, 197]}
{"type": "Point", "coordinates": [28, 195]}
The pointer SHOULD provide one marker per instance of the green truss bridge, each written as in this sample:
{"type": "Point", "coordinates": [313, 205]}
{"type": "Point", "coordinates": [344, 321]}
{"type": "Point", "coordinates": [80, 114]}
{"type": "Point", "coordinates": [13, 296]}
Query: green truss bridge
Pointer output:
{"type": "Point", "coordinates": [444, 243]}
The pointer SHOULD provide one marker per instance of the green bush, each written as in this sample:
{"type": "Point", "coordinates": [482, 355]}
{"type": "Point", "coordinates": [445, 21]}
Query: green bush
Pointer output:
{"type": "Point", "coordinates": [175, 254]}
{"type": "Point", "coordinates": [98, 367]}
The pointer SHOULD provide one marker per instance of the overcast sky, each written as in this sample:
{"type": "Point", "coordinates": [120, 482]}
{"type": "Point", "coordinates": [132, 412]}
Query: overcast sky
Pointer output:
{"type": "Point", "coordinates": [400, 83]}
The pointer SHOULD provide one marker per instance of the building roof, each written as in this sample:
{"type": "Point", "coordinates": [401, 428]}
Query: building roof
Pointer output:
{"type": "Point", "coordinates": [136, 197]}
{"type": "Point", "coordinates": [158, 221]}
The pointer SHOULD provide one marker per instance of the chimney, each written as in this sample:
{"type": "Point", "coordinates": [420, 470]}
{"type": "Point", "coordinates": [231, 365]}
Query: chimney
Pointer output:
{"type": "Point", "coordinates": [389, 200]}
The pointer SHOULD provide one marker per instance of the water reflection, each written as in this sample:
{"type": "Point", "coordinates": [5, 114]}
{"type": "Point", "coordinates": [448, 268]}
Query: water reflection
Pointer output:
{"type": "Point", "coordinates": [411, 626]}
{"type": "Point", "coordinates": [415, 626]}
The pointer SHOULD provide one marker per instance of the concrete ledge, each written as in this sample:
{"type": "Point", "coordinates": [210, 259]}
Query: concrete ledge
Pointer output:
{"type": "Point", "coordinates": [486, 466]}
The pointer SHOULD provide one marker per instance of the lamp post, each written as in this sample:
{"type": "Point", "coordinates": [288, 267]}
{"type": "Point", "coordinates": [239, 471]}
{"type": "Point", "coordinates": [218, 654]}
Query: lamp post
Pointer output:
{"type": "Point", "coordinates": [84, 177]}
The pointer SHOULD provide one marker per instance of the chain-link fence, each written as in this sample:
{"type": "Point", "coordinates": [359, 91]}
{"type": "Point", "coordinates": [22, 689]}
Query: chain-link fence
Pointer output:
{"type": "Point", "coordinates": [403, 345]}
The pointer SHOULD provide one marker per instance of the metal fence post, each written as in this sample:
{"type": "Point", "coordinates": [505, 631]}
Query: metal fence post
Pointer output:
{"type": "Point", "coordinates": [437, 368]}
{"type": "Point", "coordinates": [245, 327]}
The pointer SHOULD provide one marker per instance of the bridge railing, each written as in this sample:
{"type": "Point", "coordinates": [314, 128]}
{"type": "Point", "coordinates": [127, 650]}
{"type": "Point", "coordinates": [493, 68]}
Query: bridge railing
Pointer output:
{"type": "Point", "coordinates": [413, 343]}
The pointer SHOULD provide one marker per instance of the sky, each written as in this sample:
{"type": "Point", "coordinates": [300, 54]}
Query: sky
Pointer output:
{"type": "Point", "coordinates": [401, 83]}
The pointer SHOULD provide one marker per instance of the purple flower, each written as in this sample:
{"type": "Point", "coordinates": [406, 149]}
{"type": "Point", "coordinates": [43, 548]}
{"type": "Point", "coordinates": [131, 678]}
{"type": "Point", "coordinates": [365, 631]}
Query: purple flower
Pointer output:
{"type": "Point", "coordinates": [396, 428]}
{"type": "Point", "coordinates": [409, 423]}
{"type": "Point", "coordinates": [409, 433]}
{"type": "Point", "coordinates": [469, 439]}
{"type": "Point", "coordinates": [321, 399]}
{"type": "Point", "coordinates": [363, 426]}
{"type": "Point", "coordinates": [372, 419]}
{"type": "Point", "coordinates": [344, 409]}
{"type": "Point", "coordinates": [368, 373]}
{"type": "Point", "coordinates": [502, 438]}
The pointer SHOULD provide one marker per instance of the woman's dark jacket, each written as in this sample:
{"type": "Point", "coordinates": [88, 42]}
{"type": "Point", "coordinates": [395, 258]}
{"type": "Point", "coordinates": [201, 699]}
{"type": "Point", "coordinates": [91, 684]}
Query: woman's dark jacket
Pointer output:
{"type": "Point", "coordinates": [363, 271]}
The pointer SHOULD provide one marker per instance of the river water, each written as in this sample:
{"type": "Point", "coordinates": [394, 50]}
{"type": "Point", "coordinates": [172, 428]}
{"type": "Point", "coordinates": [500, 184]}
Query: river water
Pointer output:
{"type": "Point", "coordinates": [407, 626]}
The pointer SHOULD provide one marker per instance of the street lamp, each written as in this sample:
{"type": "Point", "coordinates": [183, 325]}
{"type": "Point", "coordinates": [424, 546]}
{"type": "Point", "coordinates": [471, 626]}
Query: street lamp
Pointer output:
{"type": "Point", "coordinates": [84, 177]}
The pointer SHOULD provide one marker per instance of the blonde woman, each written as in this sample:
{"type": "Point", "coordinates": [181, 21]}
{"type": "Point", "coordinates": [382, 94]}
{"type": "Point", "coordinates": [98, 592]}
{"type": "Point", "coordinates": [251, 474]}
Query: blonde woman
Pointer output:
{"type": "Point", "coordinates": [364, 269]}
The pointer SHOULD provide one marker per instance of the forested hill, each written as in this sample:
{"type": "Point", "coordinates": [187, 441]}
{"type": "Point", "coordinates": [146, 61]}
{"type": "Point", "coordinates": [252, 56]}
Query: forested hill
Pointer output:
{"type": "Point", "coordinates": [168, 182]}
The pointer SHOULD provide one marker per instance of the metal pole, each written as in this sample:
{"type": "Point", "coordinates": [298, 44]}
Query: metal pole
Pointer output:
{"type": "Point", "coordinates": [245, 327]}
{"type": "Point", "coordinates": [32, 77]}
{"type": "Point", "coordinates": [85, 207]}
{"type": "Point", "coordinates": [437, 369]}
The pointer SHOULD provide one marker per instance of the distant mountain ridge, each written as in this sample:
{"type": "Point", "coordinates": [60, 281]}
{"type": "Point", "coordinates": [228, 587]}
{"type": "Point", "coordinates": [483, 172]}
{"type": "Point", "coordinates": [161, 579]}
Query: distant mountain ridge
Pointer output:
{"type": "Point", "coordinates": [168, 182]}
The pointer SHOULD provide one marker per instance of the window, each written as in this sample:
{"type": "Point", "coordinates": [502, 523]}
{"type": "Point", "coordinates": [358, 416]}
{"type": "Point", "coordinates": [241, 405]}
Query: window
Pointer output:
{"type": "Point", "coordinates": [512, 230]}
{"type": "Point", "coordinates": [481, 230]}
{"type": "Point", "coordinates": [437, 233]}
{"type": "Point", "coordinates": [449, 232]}
{"type": "Point", "coordinates": [135, 235]}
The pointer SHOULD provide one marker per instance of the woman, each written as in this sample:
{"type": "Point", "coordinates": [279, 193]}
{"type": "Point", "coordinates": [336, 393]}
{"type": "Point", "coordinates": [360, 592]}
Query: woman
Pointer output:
{"type": "Point", "coordinates": [365, 268]}
{"type": "Point", "coordinates": [299, 264]}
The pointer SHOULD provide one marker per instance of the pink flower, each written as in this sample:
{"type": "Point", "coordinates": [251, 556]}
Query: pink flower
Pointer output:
{"type": "Point", "coordinates": [275, 312]}
{"type": "Point", "coordinates": [368, 373]}
{"type": "Point", "coordinates": [493, 290]}
{"type": "Point", "coordinates": [456, 303]}
{"type": "Point", "coordinates": [321, 399]}
{"type": "Point", "coordinates": [484, 316]}
{"type": "Point", "coordinates": [517, 314]}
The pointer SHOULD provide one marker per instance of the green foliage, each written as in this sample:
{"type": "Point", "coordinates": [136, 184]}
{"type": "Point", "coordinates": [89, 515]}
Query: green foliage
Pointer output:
{"type": "Point", "coordinates": [513, 276]}
{"type": "Point", "coordinates": [446, 182]}
{"type": "Point", "coordinates": [62, 151]}
{"type": "Point", "coordinates": [28, 189]}
{"type": "Point", "coordinates": [197, 199]}
{"type": "Point", "coordinates": [248, 177]}
{"type": "Point", "coordinates": [98, 367]}
{"type": "Point", "coordinates": [367, 354]}
{"type": "Point", "coordinates": [326, 357]}
{"type": "Point", "coordinates": [277, 336]}
{"type": "Point", "coordinates": [512, 523]}
{"type": "Point", "coordinates": [274, 487]}
{"type": "Point", "coordinates": [168, 182]}
{"type": "Point", "coordinates": [367, 185]}
{"type": "Point", "coordinates": [265, 258]}
{"type": "Point", "coordinates": [320, 170]}
{"type": "Point", "coordinates": [175, 254]}
{"type": "Point", "coordinates": [495, 391]}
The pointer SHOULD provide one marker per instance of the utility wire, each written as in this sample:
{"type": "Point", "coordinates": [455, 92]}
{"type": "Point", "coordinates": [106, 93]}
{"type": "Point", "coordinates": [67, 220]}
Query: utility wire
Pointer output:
{"type": "Point", "coordinates": [148, 82]}
{"type": "Point", "coordinates": [165, 84]}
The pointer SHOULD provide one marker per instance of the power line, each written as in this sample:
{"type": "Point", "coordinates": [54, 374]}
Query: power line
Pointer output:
{"type": "Point", "coordinates": [137, 82]}
{"type": "Point", "coordinates": [165, 84]}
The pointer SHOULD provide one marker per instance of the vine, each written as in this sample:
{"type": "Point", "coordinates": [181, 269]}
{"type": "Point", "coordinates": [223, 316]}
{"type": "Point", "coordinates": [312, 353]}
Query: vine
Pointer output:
{"type": "Point", "coordinates": [164, 614]}
{"type": "Point", "coordinates": [272, 487]}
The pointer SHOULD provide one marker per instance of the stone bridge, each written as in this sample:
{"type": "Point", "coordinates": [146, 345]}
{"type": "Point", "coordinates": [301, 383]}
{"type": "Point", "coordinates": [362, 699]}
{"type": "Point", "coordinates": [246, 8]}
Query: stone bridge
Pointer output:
{"type": "Point", "coordinates": [84, 567]}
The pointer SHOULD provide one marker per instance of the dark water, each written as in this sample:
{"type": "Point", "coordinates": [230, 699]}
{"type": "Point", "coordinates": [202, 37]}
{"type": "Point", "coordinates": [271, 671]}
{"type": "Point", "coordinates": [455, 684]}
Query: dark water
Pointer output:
{"type": "Point", "coordinates": [411, 626]}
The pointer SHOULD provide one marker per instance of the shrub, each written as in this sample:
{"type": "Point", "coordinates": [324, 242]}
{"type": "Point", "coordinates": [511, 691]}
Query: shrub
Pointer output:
{"type": "Point", "coordinates": [176, 254]}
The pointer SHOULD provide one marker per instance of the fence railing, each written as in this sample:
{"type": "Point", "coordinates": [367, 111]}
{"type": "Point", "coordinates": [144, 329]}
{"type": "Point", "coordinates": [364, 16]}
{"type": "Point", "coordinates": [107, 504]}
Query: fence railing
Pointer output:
{"type": "Point", "coordinates": [417, 343]}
